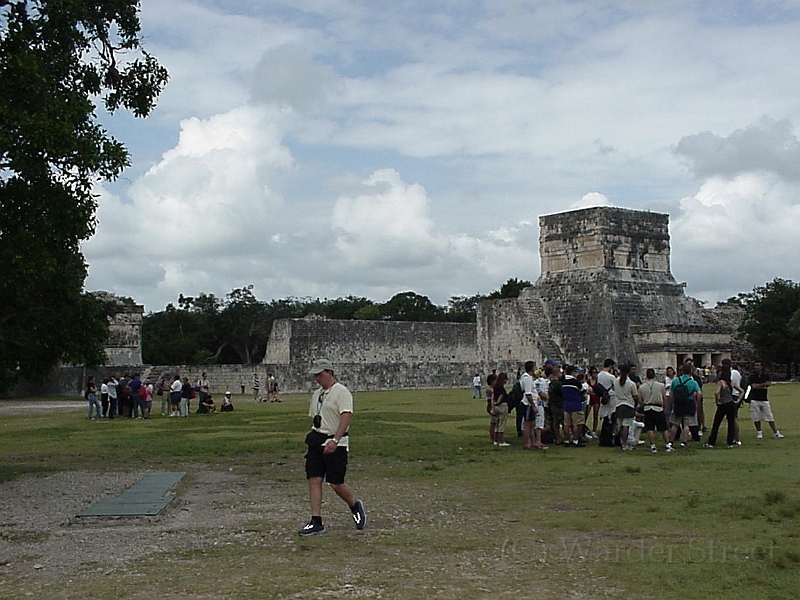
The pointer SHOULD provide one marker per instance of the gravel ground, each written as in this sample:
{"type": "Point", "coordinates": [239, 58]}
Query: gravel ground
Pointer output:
{"type": "Point", "coordinates": [43, 542]}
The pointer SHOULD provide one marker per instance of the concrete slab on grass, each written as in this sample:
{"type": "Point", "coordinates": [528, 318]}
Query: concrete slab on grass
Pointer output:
{"type": "Point", "coordinates": [147, 497]}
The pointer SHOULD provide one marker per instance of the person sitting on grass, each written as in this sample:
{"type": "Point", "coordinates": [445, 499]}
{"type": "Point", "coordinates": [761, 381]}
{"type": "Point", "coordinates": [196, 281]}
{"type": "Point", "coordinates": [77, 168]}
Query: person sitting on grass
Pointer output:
{"type": "Point", "coordinates": [227, 403]}
{"type": "Point", "coordinates": [207, 406]}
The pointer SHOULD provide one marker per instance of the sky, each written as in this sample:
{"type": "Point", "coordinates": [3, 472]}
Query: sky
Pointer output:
{"type": "Point", "coordinates": [328, 148]}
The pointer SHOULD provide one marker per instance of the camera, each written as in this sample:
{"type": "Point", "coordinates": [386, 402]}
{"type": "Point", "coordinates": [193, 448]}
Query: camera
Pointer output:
{"type": "Point", "coordinates": [317, 421]}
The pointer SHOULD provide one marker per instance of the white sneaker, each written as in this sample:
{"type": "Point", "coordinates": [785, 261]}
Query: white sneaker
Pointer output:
{"type": "Point", "coordinates": [504, 445]}
{"type": "Point", "coordinates": [759, 435]}
{"type": "Point", "coordinates": [669, 448]}
{"type": "Point", "coordinates": [778, 435]}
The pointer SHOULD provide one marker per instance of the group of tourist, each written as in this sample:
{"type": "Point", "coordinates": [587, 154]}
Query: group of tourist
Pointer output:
{"type": "Point", "coordinates": [117, 396]}
{"type": "Point", "coordinates": [554, 405]}
{"type": "Point", "coordinates": [132, 397]}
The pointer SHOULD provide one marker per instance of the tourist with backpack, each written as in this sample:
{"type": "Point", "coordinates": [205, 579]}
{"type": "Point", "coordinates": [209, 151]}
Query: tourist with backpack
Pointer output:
{"type": "Point", "coordinates": [684, 393]}
{"type": "Point", "coordinates": [134, 385]}
{"type": "Point", "coordinates": [604, 388]}
{"type": "Point", "coordinates": [515, 397]}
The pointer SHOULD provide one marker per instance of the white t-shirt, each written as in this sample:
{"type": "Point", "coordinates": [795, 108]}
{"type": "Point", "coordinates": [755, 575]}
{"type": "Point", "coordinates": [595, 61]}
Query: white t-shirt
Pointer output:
{"type": "Point", "coordinates": [528, 389]}
{"type": "Point", "coordinates": [330, 404]}
{"type": "Point", "coordinates": [607, 380]}
{"type": "Point", "coordinates": [476, 381]}
{"type": "Point", "coordinates": [112, 388]}
{"type": "Point", "coordinates": [625, 393]}
{"type": "Point", "coordinates": [736, 381]}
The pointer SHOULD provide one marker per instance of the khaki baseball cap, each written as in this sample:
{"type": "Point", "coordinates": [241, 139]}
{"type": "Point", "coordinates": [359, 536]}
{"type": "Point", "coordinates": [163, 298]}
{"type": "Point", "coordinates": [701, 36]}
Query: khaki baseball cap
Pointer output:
{"type": "Point", "coordinates": [320, 365]}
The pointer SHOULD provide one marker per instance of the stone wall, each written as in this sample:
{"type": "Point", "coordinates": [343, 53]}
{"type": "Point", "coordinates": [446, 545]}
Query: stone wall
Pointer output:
{"type": "Point", "coordinates": [505, 336]}
{"type": "Point", "coordinates": [374, 355]}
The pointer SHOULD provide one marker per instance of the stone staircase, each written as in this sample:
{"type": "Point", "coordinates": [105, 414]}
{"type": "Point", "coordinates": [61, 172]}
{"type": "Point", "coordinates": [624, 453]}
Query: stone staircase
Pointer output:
{"type": "Point", "coordinates": [534, 315]}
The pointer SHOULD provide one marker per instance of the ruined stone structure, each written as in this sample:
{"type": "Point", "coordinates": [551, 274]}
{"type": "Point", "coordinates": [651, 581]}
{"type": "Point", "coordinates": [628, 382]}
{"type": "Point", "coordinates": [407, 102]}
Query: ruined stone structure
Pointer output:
{"type": "Point", "coordinates": [373, 354]}
{"type": "Point", "coordinates": [124, 345]}
{"type": "Point", "coordinates": [605, 290]}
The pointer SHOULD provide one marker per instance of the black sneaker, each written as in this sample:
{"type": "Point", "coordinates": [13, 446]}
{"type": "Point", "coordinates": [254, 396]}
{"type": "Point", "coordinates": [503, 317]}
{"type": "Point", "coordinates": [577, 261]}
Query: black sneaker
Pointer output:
{"type": "Point", "coordinates": [312, 528]}
{"type": "Point", "coordinates": [360, 515]}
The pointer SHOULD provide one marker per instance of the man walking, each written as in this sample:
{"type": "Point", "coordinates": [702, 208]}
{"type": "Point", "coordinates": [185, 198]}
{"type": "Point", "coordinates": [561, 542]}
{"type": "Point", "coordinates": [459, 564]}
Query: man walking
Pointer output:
{"type": "Point", "coordinates": [331, 409]}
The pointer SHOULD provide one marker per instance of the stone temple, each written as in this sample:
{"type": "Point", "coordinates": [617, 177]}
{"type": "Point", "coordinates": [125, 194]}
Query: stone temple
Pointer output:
{"type": "Point", "coordinates": [605, 291]}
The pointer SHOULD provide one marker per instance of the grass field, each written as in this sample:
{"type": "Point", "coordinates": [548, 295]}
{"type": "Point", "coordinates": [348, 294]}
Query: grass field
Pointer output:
{"type": "Point", "coordinates": [450, 515]}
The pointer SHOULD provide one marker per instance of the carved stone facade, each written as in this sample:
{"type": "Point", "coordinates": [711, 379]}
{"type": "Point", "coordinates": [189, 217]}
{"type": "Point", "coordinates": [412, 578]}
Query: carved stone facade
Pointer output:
{"type": "Point", "coordinates": [124, 345]}
{"type": "Point", "coordinates": [605, 290]}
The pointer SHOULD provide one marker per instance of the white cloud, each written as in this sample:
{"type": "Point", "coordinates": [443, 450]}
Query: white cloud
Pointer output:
{"type": "Point", "coordinates": [592, 199]}
{"type": "Point", "coordinates": [386, 225]}
{"type": "Point", "coordinates": [208, 201]}
{"type": "Point", "coordinates": [735, 234]}
{"type": "Point", "coordinates": [347, 147]}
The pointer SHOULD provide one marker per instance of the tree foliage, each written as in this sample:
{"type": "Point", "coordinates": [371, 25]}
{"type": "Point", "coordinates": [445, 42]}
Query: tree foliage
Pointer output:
{"type": "Point", "coordinates": [236, 330]}
{"type": "Point", "coordinates": [58, 58]}
{"type": "Point", "coordinates": [510, 289]}
{"type": "Point", "coordinates": [772, 321]}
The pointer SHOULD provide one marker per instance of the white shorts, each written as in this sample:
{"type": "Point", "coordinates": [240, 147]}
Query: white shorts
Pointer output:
{"type": "Point", "coordinates": [538, 420]}
{"type": "Point", "coordinates": [761, 410]}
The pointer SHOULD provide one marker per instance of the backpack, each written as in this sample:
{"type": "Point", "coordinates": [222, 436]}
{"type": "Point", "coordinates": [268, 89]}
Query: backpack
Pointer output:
{"type": "Point", "coordinates": [745, 385]}
{"type": "Point", "coordinates": [682, 401]}
{"type": "Point", "coordinates": [515, 397]}
{"type": "Point", "coordinates": [142, 393]}
{"type": "Point", "coordinates": [601, 391]}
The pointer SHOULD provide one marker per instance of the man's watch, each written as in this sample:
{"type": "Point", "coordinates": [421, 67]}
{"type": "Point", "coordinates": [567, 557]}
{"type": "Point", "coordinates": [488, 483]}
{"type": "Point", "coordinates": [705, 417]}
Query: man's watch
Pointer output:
{"type": "Point", "coordinates": [335, 441]}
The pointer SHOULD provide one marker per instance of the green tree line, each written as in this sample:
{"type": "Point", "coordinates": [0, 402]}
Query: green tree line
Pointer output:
{"type": "Point", "coordinates": [235, 329]}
